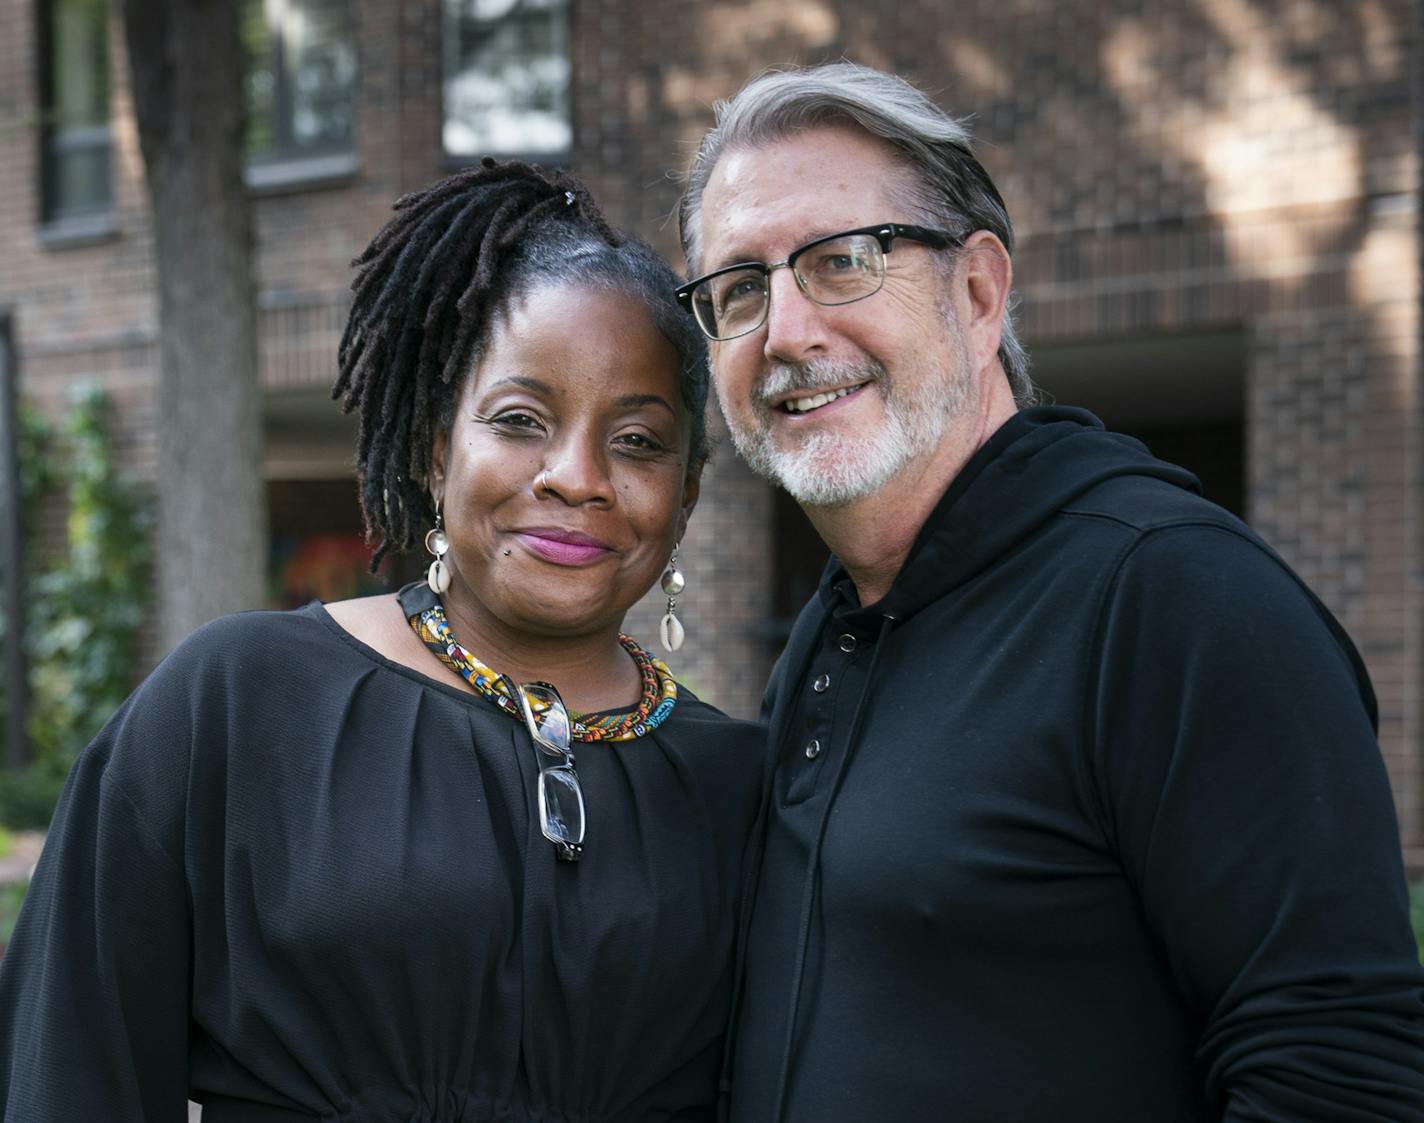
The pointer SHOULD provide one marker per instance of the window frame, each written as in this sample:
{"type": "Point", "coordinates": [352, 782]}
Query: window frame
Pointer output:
{"type": "Point", "coordinates": [456, 161]}
{"type": "Point", "coordinates": [58, 226]}
{"type": "Point", "coordinates": [288, 165]}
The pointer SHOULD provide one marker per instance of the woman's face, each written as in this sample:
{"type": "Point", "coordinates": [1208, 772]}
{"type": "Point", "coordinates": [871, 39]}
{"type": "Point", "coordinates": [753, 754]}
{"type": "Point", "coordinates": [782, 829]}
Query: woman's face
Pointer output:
{"type": "Point", "coordinates": [581, 385]}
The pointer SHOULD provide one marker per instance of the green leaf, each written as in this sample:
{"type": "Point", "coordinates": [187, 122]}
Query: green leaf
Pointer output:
{"type": "Point", "coordinates": [86, 604]}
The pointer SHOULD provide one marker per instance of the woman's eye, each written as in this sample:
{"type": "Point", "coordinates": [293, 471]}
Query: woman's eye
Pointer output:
{"type": "Point", "coordinates": [515, 419]}
{"type": "Point", "coordinates": [640, 442]}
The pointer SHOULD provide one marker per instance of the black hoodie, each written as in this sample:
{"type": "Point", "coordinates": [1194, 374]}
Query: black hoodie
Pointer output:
{"type": "Point", "coordinates": [1085, 820]}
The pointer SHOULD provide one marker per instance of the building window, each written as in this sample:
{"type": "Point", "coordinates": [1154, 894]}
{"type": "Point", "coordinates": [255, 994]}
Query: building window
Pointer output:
{"type": "Point", "coordinates": [75, 129]}
{"type": "Point", "coordinates": [506, 78]}
{"type": "Point", "coordinates": [301, 70]}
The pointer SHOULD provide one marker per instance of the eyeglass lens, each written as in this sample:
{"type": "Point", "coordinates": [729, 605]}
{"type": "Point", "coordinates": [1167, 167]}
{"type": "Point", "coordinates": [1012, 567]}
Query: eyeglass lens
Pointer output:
{"type": "Point", "coordinates": [837, 271]}
{"type": "Point", "coordinates": [561, 813]}
{"type": "Point", "coordinates": [549, 720]}
{"type": "Point", "coordinates": [561, 805]}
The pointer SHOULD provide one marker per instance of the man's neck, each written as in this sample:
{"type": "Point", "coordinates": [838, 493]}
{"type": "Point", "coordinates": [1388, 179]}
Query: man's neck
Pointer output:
{"type": "Point", "coordinates": [873, 536]}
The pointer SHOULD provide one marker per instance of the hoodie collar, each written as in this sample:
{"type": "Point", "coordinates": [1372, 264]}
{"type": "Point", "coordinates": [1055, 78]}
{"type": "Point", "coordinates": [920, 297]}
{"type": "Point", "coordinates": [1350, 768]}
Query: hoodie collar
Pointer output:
{"type": "Point", "coordinates": [1029, 470]}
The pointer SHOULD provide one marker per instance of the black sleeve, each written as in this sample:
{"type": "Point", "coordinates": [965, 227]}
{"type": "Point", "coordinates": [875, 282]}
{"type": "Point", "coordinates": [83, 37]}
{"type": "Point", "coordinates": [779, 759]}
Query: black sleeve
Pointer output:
{"type": "Point", "coordinates": [1249, 803]}
{"type": "Point", "coordinates": [94, 988]}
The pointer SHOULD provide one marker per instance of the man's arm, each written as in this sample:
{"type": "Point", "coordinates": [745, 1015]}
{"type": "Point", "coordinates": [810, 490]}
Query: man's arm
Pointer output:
{"type": "Point", "coordinates": [1251, 809]}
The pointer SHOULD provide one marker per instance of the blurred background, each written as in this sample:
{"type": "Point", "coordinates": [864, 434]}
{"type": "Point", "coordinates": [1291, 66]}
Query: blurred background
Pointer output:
{"type": "Point", "coordinates": [1219, 251]}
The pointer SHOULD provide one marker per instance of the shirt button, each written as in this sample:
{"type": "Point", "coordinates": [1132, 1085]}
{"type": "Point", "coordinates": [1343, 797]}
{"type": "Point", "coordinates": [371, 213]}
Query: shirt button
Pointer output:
{"type": "Point", "coordinates": [847, 643]}
{"type": "Point", "coordinates": [813, 749]}
{"type": "Point", "coordinates": [819, 686]}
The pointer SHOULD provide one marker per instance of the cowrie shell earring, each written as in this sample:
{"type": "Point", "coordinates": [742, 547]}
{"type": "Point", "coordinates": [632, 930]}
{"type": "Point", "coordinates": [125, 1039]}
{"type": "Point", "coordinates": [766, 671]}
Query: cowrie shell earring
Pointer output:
{"type": "Point", "coordinates": [671, 631]}
{"type": "Point", "coordinates": [436, 542]}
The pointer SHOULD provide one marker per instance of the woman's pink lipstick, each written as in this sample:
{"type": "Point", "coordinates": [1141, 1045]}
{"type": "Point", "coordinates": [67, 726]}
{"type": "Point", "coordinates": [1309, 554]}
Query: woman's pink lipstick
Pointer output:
{"type": "Point", "coordinates": [562, 547]}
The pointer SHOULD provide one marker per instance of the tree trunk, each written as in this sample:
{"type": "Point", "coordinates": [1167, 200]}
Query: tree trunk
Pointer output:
{"type": "Point", "coordinates": [186, 61]}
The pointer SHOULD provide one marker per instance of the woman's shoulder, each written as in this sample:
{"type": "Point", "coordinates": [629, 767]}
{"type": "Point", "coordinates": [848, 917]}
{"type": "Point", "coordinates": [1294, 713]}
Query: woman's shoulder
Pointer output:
{"type": "Point", "coordinates": [256, 626]}
{"type": "Point", "coordinates": [253, 643]}
{"type": "Point", "coordinates": [226, 660]}
{"type": "Point", "coordinates": [694, 708]}
{"type": "Point", "coordinates": [724, 758]}
{"type": "Point", "coordinates": [702, 727]}
{"type": "Point", "coordinates": [207, 685]}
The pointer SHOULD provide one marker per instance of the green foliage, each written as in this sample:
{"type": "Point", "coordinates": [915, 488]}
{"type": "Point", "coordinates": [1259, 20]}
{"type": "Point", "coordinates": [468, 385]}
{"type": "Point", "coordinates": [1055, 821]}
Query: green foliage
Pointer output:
{"type": "Point", "coordinates": [35, 437]}
{"type": "Point", "coordinates": [260, 92]}
{"type": "Point", "coordinates": [1416, 914]}
{"type": "Point", "coordinates": [28, 795]}
{"type": "Point", "coordinates": [35, 440]}
{"type": "Point", "coordinates": [11, 898]}
{"type": "Point", "coordinates": [84, 607]}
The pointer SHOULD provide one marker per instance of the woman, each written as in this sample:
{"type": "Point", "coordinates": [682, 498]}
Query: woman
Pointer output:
{"type": "Point", "coordinates": [340, 863]}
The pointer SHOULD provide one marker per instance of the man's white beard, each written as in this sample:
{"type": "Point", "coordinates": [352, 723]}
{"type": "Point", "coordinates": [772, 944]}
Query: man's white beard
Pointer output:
{"type": "Point", "coordinates": [832, 465]}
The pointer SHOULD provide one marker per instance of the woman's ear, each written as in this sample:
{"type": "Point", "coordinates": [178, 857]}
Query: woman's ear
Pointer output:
{"type": "Point", "coordinates": [439, 449]}
{"type": "Point", "coordinates": [691, 490]}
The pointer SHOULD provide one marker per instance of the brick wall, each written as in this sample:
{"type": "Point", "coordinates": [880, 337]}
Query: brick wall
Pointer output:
{"type": "Point", "coordinates": [1172, 167]}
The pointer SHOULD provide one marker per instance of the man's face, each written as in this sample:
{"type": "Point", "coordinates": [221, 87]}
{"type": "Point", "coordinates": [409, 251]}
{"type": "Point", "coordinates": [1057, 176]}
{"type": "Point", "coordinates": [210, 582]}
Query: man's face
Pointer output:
{"type": "Point", "coordinates": [831, 402]}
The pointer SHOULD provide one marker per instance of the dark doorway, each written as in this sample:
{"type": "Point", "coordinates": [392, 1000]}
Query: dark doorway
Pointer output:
{"type": "Point", "coordinates": [318, 548]}
{"type": "Point", "coordinates": [1181, 395]}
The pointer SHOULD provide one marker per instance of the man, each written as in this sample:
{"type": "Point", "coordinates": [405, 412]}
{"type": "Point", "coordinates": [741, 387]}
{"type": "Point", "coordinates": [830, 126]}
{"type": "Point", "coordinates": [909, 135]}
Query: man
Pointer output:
{"type": "Point", "coordinates": [1076, 810]}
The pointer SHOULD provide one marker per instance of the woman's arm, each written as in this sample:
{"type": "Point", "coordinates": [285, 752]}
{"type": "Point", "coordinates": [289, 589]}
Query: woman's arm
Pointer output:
{"type": "Point", "coordinates": [94, 988]}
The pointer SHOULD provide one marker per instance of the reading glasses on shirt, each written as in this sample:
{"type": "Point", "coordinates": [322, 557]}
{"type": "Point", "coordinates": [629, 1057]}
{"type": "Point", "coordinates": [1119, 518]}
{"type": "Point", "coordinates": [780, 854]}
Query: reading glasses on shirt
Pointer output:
{"type": "Point", "coordinates": [837, 269]}
{"type": "Point", "coordinates": [561, 815]}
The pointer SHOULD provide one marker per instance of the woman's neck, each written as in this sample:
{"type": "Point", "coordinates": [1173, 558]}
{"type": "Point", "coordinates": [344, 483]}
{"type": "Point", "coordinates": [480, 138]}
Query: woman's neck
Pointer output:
{"type": "Point", "coordinates": [592, 671]}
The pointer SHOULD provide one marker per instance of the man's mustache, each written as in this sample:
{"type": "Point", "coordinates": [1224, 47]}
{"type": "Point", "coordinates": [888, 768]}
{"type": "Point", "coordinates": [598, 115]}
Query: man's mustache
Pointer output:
{"type": "Point", "coordinates": [816, 375]}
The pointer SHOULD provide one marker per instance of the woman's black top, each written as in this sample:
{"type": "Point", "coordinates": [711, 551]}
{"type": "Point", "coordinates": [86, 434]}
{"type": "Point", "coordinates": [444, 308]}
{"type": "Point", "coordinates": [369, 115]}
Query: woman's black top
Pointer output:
{"type": "Point", "coordinates": [295, 880]}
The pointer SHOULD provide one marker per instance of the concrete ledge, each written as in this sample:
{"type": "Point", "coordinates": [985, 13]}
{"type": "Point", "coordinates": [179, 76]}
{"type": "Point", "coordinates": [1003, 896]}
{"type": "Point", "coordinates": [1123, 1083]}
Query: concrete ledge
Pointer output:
{"type": "Point", "coordinates": [19, 864]}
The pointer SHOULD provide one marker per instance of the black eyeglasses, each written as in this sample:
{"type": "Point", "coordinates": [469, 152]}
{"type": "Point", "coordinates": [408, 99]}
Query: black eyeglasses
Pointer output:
{"type": "Point", "coordinates": [560, 798]}
{"type": "Point", "coordinates": [837, 269]}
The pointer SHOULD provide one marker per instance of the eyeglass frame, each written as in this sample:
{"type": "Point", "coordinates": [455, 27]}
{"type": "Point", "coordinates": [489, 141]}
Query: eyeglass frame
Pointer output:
{"type": "Point", "coordinates": [883, 232]}
{"type": "Point", "coordinates": [564, 849]}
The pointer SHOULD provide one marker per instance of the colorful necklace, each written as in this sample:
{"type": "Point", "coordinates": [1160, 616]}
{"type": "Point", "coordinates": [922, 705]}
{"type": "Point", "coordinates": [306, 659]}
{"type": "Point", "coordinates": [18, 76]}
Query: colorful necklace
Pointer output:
{"type": "Point", "coordinates": [426, 616]}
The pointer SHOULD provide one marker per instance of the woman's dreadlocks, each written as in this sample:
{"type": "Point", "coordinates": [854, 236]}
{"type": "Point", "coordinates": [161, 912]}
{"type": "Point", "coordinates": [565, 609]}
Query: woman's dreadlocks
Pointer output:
{"type": "Point", "coordinates": [426, 289]}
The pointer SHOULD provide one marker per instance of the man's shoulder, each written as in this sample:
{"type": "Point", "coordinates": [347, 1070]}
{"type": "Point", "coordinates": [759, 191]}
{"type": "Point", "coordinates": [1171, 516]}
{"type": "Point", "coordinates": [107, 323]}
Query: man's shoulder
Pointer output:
{"type": "Point", "coordinates": [1144, 503]}
{"type": "Point", "coordinates": [1181, 541]}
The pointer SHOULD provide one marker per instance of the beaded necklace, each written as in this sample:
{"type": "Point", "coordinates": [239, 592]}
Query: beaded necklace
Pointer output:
{"type": "Point", "coordinates": [427, 619]}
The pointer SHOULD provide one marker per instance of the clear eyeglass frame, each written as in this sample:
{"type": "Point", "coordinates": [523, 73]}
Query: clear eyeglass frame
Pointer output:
{"type": "Point", "coordinates": [561, 809]}
{"type": "Point", "coordinates": [734, 301]}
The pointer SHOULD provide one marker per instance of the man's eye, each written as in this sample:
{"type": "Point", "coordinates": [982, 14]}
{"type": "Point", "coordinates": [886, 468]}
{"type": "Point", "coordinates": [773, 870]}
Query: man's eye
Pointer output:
{"type": "Point", "coordinates": [742, 291]}
{"type": "Point", "coordinates": [837, 261]}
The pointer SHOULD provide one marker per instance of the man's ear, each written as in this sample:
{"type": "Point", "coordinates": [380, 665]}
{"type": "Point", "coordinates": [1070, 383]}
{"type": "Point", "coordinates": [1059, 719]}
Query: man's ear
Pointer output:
{"type": "Point", "coordinates": [986, 277]}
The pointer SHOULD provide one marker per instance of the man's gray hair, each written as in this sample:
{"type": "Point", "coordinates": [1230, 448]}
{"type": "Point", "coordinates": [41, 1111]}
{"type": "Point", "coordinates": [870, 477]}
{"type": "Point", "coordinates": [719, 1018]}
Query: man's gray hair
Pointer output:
{"type": "Point", "coordinates": [947, 187]}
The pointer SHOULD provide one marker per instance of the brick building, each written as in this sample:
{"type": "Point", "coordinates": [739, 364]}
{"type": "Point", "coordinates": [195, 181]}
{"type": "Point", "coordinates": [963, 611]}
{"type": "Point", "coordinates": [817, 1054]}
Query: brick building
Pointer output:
{"type": "Point", "coordinates": [1216, 202]}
